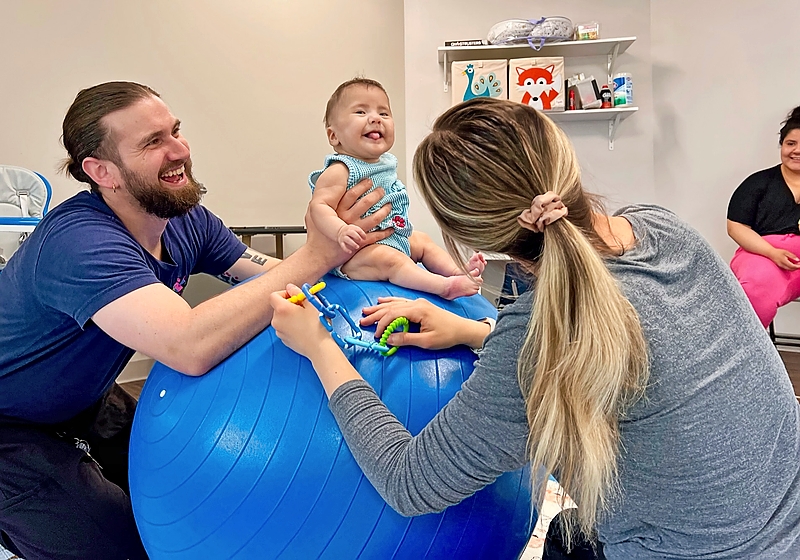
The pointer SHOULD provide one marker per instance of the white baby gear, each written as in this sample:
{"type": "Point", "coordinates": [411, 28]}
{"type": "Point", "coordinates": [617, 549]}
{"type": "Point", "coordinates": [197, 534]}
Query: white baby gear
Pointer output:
{"type": "Point", "coordinates": [24, 200]}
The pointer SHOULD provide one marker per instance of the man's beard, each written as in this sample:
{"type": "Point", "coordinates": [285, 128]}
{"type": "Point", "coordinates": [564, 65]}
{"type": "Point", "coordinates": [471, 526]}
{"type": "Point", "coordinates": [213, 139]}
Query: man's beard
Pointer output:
{"type": "Point", "coordinates": [160, 201]}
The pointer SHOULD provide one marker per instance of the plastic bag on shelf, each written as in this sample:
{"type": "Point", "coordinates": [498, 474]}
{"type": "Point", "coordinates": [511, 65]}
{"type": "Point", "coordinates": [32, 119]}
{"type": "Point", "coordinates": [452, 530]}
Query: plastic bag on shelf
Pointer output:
{"type": "Point", "coordinates": [589, 31]}
{"type": "Point", "coordinates": [534, 32]}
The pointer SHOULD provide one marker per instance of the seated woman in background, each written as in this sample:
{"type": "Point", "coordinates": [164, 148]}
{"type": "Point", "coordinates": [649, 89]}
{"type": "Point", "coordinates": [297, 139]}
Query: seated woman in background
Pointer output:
{"type": "Point", "coordinates": [763, 216]}
{"type": "Point", "coordinates": [633, 369]}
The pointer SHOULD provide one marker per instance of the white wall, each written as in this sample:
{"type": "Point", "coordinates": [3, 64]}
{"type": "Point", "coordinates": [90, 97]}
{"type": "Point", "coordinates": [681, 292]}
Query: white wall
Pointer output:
{"type": "Point", "coordinates": [712, 80]}
{"type": "Point", "coordinates": [724, 77]}
{"type": "Point", "coordinates": [248, 79]}
{"type": "Point", "coordinates": [624, 175]}
{"type": "Point", "coordinates": [719, 101]}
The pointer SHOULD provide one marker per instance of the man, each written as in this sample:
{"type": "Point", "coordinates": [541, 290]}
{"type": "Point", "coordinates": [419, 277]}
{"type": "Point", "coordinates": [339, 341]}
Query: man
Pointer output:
{"type": "Point", "coordinates": [100, 278]}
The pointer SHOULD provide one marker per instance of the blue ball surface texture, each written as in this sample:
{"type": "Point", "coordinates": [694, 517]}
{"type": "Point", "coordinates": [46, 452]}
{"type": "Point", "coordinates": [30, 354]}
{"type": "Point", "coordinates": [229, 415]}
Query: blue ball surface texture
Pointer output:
{"type": "Point", "coordinates": [247, 461]}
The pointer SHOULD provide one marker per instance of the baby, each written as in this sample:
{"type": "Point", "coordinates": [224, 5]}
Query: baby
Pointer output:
{"type": "Point", "coordinates": [360, 129]}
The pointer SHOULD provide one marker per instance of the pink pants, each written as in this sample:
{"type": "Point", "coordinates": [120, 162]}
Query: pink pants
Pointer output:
{"type": "Point", "coordinates": [768, 286]}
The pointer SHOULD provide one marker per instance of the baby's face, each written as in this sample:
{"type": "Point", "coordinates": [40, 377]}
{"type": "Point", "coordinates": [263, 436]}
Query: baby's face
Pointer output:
{"type": "Point", "coordinates": [362, 124]}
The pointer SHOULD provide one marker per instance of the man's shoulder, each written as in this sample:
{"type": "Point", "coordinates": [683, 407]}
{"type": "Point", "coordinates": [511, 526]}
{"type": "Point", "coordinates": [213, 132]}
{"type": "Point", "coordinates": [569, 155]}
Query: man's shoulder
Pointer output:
{"type": "Point", "coordinates": [198, 213]}
{"type": "Point", "coordinates": [198, 226]}
{"type": "Point", "coordinates": [83, 202]}
{"type": "Point", "coordinates": [79, 217]}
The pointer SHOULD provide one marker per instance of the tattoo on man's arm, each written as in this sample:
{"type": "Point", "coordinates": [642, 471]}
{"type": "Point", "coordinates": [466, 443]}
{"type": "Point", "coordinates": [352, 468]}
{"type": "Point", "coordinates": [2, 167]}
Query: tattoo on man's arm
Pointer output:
{"type": "Point", "coordinates": [258, 259]}
{"type": "Point", "coordinates": [233, 280]}
{"type": "Point", "coordinates": [229, 279]}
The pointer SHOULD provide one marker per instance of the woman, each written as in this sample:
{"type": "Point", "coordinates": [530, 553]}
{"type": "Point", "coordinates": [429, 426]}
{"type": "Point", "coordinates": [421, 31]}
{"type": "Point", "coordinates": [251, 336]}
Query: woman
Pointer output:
{"type": "Point", "coordinates": [633, 370]}
{"type": "Point", "coordinates": [763, 216]}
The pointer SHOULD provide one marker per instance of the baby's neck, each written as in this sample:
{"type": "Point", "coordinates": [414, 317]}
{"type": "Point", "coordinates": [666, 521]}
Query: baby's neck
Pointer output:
{"type": "Point", "coordinates": [357, 156]}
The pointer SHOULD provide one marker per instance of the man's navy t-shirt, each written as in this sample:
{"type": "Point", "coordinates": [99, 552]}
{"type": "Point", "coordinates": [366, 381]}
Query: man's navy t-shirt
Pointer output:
{"type": "Point", "coordinates": [54, 361]}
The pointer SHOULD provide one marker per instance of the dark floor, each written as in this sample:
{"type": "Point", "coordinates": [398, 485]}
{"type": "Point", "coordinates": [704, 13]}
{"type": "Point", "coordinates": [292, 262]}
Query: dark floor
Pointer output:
{"type": "Point", "coordinates": [133, 387]}
{"type": "Point", "coordinates": [790, 359]}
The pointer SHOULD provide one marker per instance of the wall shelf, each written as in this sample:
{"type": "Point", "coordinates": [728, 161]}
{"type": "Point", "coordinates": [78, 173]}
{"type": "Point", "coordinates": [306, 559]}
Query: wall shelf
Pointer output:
{"type": "Point", "coordinates": [613, 116]}
{"type": "Point", "coordinates": [597, 47]}
{"type": "Point", "coordinates": [592, 114]}
{"type": "Point", "coordinates": [610, 48]}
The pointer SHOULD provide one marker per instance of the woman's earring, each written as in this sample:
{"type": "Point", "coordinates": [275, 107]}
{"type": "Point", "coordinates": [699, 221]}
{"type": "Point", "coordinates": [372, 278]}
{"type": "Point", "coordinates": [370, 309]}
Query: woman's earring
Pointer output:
{"type": "Point", "coordinates": [114, 187]}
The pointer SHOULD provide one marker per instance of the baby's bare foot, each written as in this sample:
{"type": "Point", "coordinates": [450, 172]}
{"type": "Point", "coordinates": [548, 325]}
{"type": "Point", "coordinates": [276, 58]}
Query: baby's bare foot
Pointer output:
{"type": "Point", "coordinates": [457, 286]}
{"type": "Point", "coordinates": [476, 262]}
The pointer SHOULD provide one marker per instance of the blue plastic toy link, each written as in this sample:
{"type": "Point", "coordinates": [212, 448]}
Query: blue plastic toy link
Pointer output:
{"type": "Point", "coordinates": [328, 311]}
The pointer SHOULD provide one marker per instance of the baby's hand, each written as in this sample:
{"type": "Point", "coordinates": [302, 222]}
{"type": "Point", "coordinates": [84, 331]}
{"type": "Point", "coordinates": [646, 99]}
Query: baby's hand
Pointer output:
{"type": "Point", "coordinates": [351, 237]}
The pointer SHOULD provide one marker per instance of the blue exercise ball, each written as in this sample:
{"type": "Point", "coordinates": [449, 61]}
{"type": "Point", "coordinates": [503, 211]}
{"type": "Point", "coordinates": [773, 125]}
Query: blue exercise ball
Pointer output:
{"type": "Point", "coordinates": [247, 461]}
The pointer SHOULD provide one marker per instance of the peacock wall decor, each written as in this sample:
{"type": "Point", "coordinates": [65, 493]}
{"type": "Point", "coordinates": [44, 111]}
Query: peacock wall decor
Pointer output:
{"type": "Point", "coordinates": [486, 78]}
{"type": "Point", "coordinates": [481, 85]}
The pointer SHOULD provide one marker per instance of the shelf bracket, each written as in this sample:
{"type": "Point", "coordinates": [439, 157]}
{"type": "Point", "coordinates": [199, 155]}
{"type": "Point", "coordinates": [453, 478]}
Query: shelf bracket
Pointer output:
{"type": "Point", "coordinates": [446, 73]}
{"type": "Point", "coordinates": [612, 59]}
{"type": "Point", "coordinates": [612, 131]}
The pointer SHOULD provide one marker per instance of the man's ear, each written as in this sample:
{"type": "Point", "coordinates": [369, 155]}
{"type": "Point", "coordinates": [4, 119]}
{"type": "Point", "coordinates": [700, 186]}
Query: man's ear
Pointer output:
{"type": "Point", "coordinates": [332, 139]}
{"type": "Point", "coordinates": [101, 171]}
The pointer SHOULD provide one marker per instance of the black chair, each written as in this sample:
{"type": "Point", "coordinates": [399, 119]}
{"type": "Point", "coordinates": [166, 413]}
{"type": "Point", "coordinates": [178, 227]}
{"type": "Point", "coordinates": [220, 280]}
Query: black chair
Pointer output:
{"type": "Point", "coordinates": [783, 339]}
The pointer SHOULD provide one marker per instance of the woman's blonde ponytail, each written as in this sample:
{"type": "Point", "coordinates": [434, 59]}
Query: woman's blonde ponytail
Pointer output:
{"type": "Point", "coordinates": [584, 358]}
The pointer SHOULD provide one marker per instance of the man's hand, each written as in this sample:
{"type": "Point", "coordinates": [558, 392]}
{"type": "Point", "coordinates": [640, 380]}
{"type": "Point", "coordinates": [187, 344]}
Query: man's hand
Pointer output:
{"type": "Point", "coordinates": [351, 209]}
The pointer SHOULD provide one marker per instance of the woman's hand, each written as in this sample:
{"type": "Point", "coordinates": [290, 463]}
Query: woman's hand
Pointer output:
{"type": "Point", "coordinates": [297, 324]}
{"type": "Point", "coordinates": [784, 259]}
{"type": "Point", "coordinates": [438, 328]}
{"type": "Point", "coordinates": [752, 242]}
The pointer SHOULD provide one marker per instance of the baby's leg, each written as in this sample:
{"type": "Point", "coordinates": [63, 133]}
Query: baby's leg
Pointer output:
{"type": "Point", "coordinates": [380, 262]}
{"type": "Point", "coordinates": [437, 260]}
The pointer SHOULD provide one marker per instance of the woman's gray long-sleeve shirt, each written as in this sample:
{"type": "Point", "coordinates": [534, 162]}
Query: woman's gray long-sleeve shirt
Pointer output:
{"type": "Point", "coordinates": [710, 458]}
